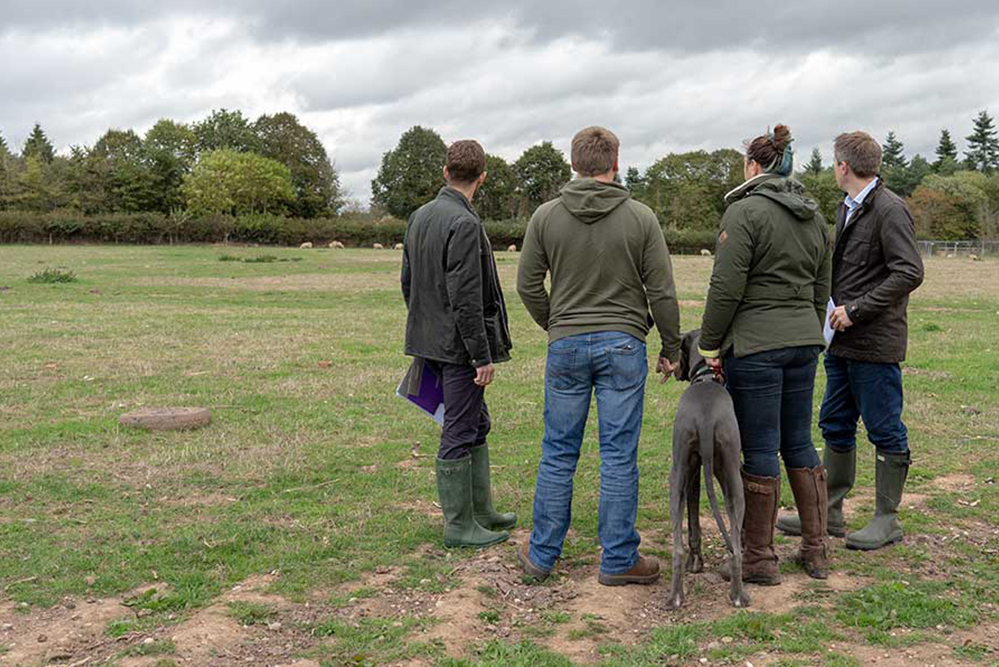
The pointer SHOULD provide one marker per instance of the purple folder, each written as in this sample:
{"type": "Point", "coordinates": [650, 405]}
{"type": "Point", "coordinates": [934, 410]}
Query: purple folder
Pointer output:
{"type": "Point", "coordinates": [423, 388]}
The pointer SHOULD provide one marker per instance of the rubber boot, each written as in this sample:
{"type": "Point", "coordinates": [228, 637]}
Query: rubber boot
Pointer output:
{"type": "Point", "coordinates": [759, 560]}
{"type": "Point", "coordinates": [884, 529]}
{"type": "Point", "coordinates": [809, 488]}
{"type": "Point", "coordinates": [482, 495]}
{"type": "Point", "coordinates": [841, 470]}
{"type": "Point", "coordinates": [454, 488]}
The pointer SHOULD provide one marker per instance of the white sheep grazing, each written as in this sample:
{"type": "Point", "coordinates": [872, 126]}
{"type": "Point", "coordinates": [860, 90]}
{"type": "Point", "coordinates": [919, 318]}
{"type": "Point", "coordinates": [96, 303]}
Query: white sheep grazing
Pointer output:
{"type": "Point", "coordinates": [705, 252]}
{"type": "Point", "coordinates": [378, 246]}
{"type": "Point", "coordinates": [398, 246]}
{"type": "Point", "coordinates": [306, 245]}
{"type": "Point", "coordinates": [512, 248]}
{"type": "Point", "coordinates": [336, 245]}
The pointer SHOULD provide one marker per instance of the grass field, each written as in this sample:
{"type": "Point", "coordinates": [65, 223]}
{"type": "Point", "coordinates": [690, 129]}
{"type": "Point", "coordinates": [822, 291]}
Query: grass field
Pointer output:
{"type": "Point", "coordinates": [300, 527]}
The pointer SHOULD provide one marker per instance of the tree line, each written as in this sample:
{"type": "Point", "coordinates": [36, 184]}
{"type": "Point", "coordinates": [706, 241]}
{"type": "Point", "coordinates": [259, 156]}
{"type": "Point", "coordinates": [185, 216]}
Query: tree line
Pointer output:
{"type": "Point", "coordinates": [229, 165]}
{"type": "Point", "coordinates": [224, 164]}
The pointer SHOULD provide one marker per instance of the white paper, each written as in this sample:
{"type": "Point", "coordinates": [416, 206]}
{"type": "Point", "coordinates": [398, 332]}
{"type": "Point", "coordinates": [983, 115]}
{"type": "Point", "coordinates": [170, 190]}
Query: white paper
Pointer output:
{"type": "Point", "coordinates": [827, 331]}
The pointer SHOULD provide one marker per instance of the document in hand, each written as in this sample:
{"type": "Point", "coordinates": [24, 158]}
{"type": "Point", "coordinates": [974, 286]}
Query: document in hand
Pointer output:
{"type": "Point", "coordinates": [423, 388]}
{"type": "Point", "coordinates": [827, 331]}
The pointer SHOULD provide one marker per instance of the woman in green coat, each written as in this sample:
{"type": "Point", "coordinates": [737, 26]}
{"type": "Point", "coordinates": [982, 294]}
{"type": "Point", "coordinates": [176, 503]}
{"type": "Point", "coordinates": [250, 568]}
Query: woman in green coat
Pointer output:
{"type": "Point", "coordinates": [763, 325]}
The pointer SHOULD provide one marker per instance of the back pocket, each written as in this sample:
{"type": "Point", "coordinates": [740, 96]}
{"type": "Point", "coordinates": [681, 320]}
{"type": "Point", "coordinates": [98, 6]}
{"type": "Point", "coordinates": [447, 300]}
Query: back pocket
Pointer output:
{"type": "Point", "coordinates": [629, 364]}
{"type": "Point", "coordinates": [561, 367]}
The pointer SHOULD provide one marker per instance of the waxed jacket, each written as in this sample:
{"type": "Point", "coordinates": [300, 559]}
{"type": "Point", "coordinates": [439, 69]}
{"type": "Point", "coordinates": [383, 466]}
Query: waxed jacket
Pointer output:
{"type": "Point", "coordinates": [457, 314]}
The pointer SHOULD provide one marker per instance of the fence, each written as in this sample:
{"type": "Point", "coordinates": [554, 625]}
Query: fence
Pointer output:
{"type": "Point", "coordinates": [958, 248]}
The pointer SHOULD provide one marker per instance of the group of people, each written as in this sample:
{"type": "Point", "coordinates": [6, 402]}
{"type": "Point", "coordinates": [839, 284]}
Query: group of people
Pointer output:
{"type": "Point", "coordinates": [778, 280]}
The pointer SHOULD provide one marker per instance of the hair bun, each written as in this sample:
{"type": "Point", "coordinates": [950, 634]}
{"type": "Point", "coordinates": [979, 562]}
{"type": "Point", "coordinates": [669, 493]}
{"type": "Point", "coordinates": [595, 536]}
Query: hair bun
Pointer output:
{"type": "Point", "coordinates": [781, 137]}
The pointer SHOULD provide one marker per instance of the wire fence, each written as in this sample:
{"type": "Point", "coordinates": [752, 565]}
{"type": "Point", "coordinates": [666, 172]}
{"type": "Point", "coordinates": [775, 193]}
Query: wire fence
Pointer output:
{"type": "Point", "coordinates": [958, 248]}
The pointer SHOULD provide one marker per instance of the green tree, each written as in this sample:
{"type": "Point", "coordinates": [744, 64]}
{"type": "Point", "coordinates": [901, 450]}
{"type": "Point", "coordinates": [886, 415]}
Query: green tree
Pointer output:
{"type": "Point", "coordinates": [814, 165]}
{"type": "Point", "coordinates": [497, 198]}
{"type": "Point", "coordinates": [823, 189]}
{"type": "Point", "coordinates": [34, 190]}
{"type": "Point", "coordinates": [983, 145]}
{"type": "Point", "coordinates": [541, 172]}
{"type": "Point", "coordinates": [894, 153]}
{"type": "Point", "coordinates": [946, 152]}
{"type": "Point", "coordinates": [38, 145]}
{"type": "Point", "coordinates": [317, 185]}
{"type": "Point", "coordinates": [634, 181]}
{"type": "Point", "coordinates": [687, 190]}
{"type": "Point", "coordinates": [225, 129]}
{"type": "Point", "coordinates": [227, 182]}
{"type": "Point", "coordinates": [170, 149]}
{"type": "Point", "coordinates": [905, 180]}
{"type": "Point", "coordinates": [951, 207]}
{"type": "Point", "coordinates": [411, 173]}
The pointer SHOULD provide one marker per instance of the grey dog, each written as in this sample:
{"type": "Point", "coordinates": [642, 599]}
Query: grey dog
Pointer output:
{"type": "Point", "coordinates": [705, 435]}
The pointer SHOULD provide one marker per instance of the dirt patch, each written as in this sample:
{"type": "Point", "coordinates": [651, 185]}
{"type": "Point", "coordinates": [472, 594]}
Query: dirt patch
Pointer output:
{"type": "Point", "coordinates": [954, 483]}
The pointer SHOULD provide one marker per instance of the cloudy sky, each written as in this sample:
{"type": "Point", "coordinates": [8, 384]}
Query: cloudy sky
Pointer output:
{"type": "Point", "coordinates": [666, 76]}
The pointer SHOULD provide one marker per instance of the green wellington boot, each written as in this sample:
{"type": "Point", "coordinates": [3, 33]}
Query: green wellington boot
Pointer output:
{"type": "Point", "coordinates": [482, 495]}
{"type": "Point", "coordinates": [454, 488]}
{"type": "Point", "coordinates": [841, 469]}
{"type": "Point", "coordinates": [884, 528]}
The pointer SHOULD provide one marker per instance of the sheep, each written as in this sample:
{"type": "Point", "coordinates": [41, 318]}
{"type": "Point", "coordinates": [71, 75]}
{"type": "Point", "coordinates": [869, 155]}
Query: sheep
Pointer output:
{"type": "Point", "coordinates": [399, 246]}
{"type": "Point", "coordinates": [512, 248]}
{"type": "Point", "coordinates": [378, 246]}
{"type": "Point", "coordinates": [306, 245]}
{"type": "Point", "coordinates": [336, 245]}
{"type": "Point", "coordinates": [705, 252]}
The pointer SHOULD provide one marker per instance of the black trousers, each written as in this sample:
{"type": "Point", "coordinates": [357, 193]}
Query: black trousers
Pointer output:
{"type": "Point", "coordinates": [466, 416]}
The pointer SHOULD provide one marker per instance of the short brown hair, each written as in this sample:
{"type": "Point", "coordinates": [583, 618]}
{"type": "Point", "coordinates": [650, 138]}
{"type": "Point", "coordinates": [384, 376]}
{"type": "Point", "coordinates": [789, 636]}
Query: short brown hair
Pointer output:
{"type": "Point", "coordinates": [860, 151]}
{"type": "Point", "coordinates": [594, 151]}
{"type": "Point", "coordinates": [465, 161]}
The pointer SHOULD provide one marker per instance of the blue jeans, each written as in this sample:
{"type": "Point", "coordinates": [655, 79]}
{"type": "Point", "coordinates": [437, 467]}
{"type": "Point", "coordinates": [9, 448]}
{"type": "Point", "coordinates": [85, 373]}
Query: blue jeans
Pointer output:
{"type": "Point", "coordinates": [616, 365]}
{"type": "Point", "coordinates": [772, 394]}
{"type": "Point", "coordinates": [858, 389]}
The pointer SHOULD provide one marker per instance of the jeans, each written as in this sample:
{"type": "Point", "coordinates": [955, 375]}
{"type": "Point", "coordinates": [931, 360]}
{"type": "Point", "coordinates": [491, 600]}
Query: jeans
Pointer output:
{"type": "Point", "coordinates": [616, 365]}
{"type": "Point", "coordinates": [772, 394]}
{"type": "Point", "coordinates": [858, 389]}
{"type": "Point", "coordinates": [466, 416]}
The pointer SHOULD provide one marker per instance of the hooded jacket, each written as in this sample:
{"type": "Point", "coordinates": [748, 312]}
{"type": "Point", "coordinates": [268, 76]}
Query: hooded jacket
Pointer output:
{"type": "Point", "coordinates": [773, 262]}
{"type": "Point", "coordinates": [609, 266]}
{"type": "Point", "coordinates": [449, 281]}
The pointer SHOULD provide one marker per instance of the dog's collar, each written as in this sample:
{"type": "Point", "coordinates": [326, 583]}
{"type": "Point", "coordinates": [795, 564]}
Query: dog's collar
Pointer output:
{"type": "Point", "coordinates": [703, 373]}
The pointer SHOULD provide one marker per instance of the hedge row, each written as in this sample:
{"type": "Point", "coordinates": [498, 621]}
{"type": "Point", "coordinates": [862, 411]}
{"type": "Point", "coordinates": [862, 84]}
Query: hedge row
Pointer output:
{"type": "Point", "coordinates": [356, 231]}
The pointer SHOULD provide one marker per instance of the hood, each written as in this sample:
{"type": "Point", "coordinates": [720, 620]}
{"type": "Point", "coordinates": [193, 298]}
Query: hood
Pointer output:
{"type": "Point", "coordinates": [590, 200]}
{"type": "Point", "coordinates": [787, 192]}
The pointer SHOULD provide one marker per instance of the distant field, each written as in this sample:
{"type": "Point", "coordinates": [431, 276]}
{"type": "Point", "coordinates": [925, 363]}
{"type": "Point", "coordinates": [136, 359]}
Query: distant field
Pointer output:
{"type": "Point", "coordinates": [301, 526]}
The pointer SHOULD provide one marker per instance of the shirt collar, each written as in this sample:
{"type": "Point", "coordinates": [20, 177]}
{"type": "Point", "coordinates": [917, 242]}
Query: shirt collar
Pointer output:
{"type": "Point", "coordinates": [852, 203]}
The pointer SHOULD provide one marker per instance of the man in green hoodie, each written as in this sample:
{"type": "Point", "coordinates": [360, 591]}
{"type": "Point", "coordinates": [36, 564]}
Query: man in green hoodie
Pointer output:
{"type": "Point", "coordinates": [609, 267]}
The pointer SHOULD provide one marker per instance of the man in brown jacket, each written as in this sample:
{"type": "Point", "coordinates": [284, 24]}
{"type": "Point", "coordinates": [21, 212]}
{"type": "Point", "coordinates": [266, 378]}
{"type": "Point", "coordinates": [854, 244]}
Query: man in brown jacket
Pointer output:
{"type": "Point", "coordinates": [876, 264]}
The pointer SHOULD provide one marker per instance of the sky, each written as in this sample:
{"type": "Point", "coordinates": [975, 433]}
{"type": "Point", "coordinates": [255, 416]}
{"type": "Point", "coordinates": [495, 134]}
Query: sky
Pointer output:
{"type": "Point", "coordinates": [665, 76]}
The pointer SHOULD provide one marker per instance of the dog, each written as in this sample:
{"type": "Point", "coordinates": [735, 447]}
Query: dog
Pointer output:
{"type": "Point", "coordinates": [705, 435]}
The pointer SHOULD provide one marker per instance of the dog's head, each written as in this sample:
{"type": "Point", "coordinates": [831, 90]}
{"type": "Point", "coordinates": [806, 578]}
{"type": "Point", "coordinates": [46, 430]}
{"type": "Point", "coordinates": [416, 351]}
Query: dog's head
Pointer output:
{"type": "Point", "coordinates": [690, 358]}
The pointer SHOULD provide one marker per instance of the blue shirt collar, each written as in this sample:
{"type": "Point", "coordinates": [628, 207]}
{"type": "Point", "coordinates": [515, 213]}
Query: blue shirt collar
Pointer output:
{"type": "Point", "coordinates": [852, 203]}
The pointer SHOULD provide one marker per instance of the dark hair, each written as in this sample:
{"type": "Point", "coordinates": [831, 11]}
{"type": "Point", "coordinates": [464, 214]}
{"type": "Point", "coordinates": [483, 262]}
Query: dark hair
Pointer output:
{"type": "Point", "coordinates": [860, 151]}
{"type": "Point", "coordinates": [465, 161]}
{"type": "Point", "coordinates": [594, 151]}
{"type": "Point", "coordinates": [772, 151]}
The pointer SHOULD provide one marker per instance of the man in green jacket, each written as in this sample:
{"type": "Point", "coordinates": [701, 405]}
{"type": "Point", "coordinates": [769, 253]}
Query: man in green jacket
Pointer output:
{"type": "Point", "coordinates": [609, 267]}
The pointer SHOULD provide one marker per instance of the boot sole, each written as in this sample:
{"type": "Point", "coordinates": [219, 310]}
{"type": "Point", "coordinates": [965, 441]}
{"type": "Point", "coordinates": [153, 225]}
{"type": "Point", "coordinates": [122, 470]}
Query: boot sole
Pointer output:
{"type": "Point", "coordinates": [831, 532]}
{"type": "Point", "coordinates": [531, 569]}
{"type": "Point", "coordinates": [621, 580]}
{"type": "Point", "coordinates": [496, 526]}
{"type": "Point", "coordinates": [761, 581]}
{"type": "Point", "coordinates": [863, 547]}
{"type": "Point", "coordinates": [470, 545]}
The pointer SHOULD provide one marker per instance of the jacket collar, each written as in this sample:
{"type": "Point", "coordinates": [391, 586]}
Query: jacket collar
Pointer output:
{"type": "Point", "coordinates": [448, 192]}
{"type": "Point", "coordinates": [865, 205]}
{"type": "Point", "coordinates": [743, 190]}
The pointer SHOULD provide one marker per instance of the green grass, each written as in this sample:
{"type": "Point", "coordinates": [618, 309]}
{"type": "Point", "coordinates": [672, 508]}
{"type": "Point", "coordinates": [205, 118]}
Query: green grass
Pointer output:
{"type": "Point", "coordinates": [306, 469]}
{"type": "Point", "coordinates": [498, 653]}
{"type": "Point", "coordinates": [251, 613]}
{"type": "Point", "coordinates": [53, 276]}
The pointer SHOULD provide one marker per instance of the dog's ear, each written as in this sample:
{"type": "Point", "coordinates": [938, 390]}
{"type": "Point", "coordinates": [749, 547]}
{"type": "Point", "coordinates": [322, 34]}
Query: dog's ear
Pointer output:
{"type": "Point", "coordinates": [683, 365]}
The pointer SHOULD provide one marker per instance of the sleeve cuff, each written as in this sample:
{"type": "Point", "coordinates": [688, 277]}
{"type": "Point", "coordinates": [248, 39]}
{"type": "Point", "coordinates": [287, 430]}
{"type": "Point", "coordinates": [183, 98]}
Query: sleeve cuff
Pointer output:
{"type": "Point", "coordinates": [709, 354]}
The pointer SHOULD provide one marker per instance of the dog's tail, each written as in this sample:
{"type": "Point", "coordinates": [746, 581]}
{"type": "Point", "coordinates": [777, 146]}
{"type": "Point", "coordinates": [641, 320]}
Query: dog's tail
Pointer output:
{"type": "Point", "coordinates": [707, 446]}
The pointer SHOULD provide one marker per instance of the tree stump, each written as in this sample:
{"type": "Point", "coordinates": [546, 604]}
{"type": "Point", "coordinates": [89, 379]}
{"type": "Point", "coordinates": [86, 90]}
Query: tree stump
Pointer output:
{"type": "Point", "coordinates": [167, 419]}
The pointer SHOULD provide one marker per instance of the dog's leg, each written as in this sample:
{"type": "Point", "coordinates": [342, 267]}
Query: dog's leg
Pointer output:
{"type": "Point", "coordinates": [677, 491]}
{"type": "Point", "coordinates": [695, 561]}
{"type": "Point", "coordinates": [735, 503]}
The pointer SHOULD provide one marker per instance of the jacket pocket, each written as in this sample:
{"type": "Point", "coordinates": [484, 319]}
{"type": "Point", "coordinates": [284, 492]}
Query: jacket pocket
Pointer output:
{"type": "Point", "coordinates": [857, 252]}
{"type": "Point", "coordinates": [629, 364]}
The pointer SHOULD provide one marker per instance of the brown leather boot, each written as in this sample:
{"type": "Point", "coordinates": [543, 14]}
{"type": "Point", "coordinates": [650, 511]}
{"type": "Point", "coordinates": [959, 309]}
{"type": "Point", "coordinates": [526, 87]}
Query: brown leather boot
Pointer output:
{"type": "Point", "coordinates": [644, 571]}
{"type": "Point", "coordinates": [759, 561]}
{"type": "Point", "coordinates": [809, 487]}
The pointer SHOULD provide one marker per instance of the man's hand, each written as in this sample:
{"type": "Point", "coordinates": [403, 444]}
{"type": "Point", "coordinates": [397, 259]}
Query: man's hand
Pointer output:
{"type": "Point", "coordinates": [714, 362]}
{"type": "Point", "coordinates": [839, 320]}
{"type": "Point", "coordinates": [666, 368]}
{"type": "Point", "coordinates": [484, 375]}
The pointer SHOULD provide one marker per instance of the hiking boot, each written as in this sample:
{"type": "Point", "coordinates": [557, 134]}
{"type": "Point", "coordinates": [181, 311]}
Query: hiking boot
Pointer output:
{"type": "Point", "coordinates": [524, 558]}
{"type": "Point", "coordinates": [809, 487]}
{"type": "Point", "coordinates": [644, 571]}
{"type": "Point", "coordinates": [482, 496]}
{"type": "Point", "coordinates": [841, 469]}
{"type": "Point", "coordinates": [884, 528]}
{"type": "Point", "coordinates": [454, 488]}
{"type": "Point", "coordinates": [759, 560]}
